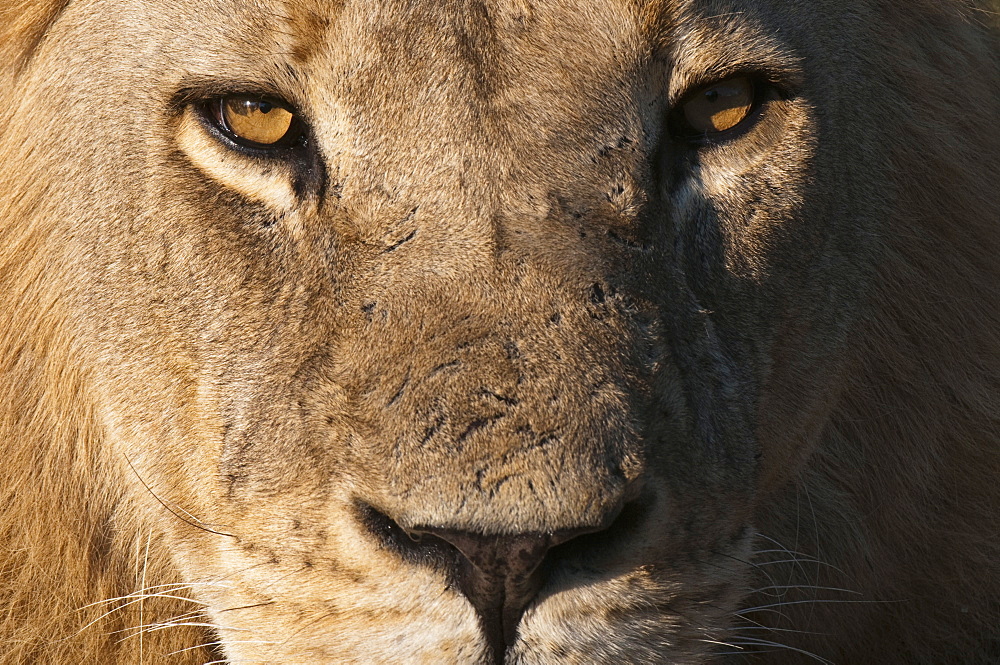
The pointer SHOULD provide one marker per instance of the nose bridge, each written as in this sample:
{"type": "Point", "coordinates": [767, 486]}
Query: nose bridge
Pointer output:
{"type": "Point", "coordinates": [493, 375]}
{"type": "Point", "coordinates": [410, 126]}
{"type": "Point", "coordinates": [494, 403]}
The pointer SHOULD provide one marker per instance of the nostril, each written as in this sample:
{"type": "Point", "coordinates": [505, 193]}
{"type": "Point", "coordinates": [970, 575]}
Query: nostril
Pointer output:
{"type": "Point", "coordinates": [515, 556]}
{"type": "Point", "coordinates": [414, 545]}
{"type": "Point", "coordinates": [631, 519]}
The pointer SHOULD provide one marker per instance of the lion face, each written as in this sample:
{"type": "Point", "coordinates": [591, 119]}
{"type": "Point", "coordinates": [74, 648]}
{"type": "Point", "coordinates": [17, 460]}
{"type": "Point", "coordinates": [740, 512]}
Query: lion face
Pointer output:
{"type": "Point", "coordinates": [448, 332]}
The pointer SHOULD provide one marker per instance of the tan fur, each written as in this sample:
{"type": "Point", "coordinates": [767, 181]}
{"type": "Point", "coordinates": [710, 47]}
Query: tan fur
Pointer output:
{"type": "Point", "coordinates": [493, 295]}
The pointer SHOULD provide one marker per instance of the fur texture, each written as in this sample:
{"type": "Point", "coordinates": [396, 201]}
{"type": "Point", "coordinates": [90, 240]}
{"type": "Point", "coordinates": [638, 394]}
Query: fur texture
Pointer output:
{"type": "Point", "coordinates": [494, 291]}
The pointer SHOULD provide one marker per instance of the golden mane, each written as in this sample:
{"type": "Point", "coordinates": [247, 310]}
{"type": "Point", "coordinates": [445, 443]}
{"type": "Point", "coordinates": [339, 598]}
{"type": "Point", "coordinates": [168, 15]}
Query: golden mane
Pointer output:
{"type": "Point", "coordinates": [68, 577]}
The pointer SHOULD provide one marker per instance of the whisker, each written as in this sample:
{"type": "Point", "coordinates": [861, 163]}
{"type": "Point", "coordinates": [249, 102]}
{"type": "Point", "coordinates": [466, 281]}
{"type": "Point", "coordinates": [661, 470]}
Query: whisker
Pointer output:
{"type": "Point", "coordinates": [173, 620]}
{"type": "Point", "coordinates": [796, 556]}
{"type": "Point", "coordinates": [135, 594]}
{"type": "Point", "coordinates": [753, 641]}
{"type": "Point", "coordinates": [218, 643]}
{"type": "Point", "coordinates": [145, 567]}
{"type": "Point", "coordinates": [193, 521]}
{"type": "Point", "coordinates": [723, 644]}
{"type": "Point", "coordinates": [778, 630]}
{"type": "Point", "coordinates": [797, 560]}
{"type": "Point", "coordinates": [153, 627]}
{"type": "Point", "coordinates": [247, 607]}
{"type": "Point", "coordinates": [137, 599]}
{"type": "Point", "coordinates": [828, 601]}
{"type": "Point", "coordinates": [787, 587]}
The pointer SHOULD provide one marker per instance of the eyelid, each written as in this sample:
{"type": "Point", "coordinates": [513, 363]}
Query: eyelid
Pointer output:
{"type": "Point", "coordinates": [778, 67]}
{"type": "Point", "coordinates": [198, 90]}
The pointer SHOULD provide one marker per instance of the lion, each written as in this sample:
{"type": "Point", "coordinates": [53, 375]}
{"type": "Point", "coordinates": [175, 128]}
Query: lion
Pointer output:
{"type": "Point", "coordinates": [503, 332]}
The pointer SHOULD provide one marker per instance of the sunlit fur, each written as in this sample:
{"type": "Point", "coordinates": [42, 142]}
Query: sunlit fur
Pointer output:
{"type": "Point", "coordinates": [159, 292]}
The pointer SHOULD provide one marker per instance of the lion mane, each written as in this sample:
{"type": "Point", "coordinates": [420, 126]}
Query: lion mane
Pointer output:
{"type": "Point", "coordinates": [875, 506]}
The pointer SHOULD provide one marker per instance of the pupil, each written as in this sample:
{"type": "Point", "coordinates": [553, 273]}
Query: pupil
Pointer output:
{"type": "Point", "coordinates": [712, 95]}
{"type": "Point", "coordinates": [264, 107]}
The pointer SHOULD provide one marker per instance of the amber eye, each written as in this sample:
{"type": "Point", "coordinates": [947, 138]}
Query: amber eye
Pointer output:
{"type": "Point", "coordinates": [718, 107]}
{"type": "Point", "coordinates": [256, 122]}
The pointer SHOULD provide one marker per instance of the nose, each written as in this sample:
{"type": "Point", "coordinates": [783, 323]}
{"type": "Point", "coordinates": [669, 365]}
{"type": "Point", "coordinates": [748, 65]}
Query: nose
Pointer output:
{"type": "Point", "coordinates": [500, 575]}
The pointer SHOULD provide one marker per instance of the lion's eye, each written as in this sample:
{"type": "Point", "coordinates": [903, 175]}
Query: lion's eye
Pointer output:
{"type": "Point", "coordinates": [718, 107]}
{"type": "Point", "coordinates": [255, 122]}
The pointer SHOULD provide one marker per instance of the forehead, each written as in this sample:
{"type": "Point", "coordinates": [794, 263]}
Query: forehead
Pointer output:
{"type": "Point", "coordinates": [465, 23]}
{"type": "Point", "coordinates": [489, 41]}
{"type": "Point", "coordinates": [305, 29]}
{"type": "Point", "coordinates": [478, 46]}
{"type": "Point", "coordinates": [486, 30]}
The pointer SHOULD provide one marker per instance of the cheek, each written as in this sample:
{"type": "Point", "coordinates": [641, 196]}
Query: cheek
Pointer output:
{"type": "Point", "coordinates": [178, 347]}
